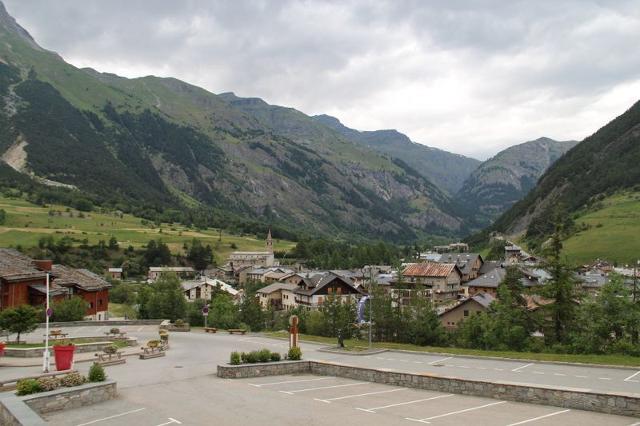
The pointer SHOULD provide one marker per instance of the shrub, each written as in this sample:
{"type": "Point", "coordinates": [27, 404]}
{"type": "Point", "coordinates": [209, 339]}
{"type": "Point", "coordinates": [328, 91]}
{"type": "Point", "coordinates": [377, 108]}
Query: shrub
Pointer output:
{"type": "Point", "coordinates": [264, 355]}
{"type": "Point", "coordinates": [114, 331]}
{"type": "Point", "coordinates": [275, 356]}
{"type": "Point", "coordinates": [295, 354]}
{"type": "Point", "coordinates": [27, 387]}
{"type": "Point", "coordinates": [179, 323]}
{"type": "Point", "coordinates": [244, 357]}
{"type": "Point", "coordinates": [77, 379]}
{"type": "Point", "coordinates": [111, 349]}
{"type": "Point", "coordinates": [48, 383]}
{"type": "Point", "coordinates": [96, 373]}
{"type": "Point", "coordinates": [235, 358]}
{"type": "Point", "coordinates": [253, 357]}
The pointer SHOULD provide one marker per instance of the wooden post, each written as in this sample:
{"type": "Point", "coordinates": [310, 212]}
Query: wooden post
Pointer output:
{"type": "Point", "coordinates": [293, 331]}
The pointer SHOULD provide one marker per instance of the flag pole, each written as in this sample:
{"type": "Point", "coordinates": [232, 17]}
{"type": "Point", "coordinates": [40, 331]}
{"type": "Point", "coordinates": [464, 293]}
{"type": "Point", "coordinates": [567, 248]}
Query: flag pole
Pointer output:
{"type": "Point", "coordinates": [46, 355]}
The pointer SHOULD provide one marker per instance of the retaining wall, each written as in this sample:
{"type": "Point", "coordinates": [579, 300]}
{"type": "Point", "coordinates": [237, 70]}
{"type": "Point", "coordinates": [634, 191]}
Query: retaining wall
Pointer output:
{"type": "Point", "coordinates": [80, 348]}
{"type": "Point", "coordinates": [14, 412]}
{"type": "Point", "coordinates": [609, 403]}
{"type": "Point", "coordinates": [67, 398]}
{"type": "Point", "coordinates": [101, 323]}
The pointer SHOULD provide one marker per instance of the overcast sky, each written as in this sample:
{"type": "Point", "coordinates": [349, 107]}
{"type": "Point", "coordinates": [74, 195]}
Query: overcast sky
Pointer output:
{"type": "Point", "coordinates": [471, 77]}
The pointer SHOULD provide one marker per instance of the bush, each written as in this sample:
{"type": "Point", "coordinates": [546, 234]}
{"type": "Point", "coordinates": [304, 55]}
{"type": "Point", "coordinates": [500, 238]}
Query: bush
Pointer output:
{"type": "Point", "coordinates": [48, 383]}
{"type": "Point", "coordinates": [114, 331]}
{"type": "Point", "coordinates": [235, 358]}
{"type": "Point", "coordinates": [275, 356]}
{"type": "Point", "coordinates": [295, 354]}
{"type": "Point", "coordinates": [253, 357]}
{"type": "Point", "coordinates": [244, 357]}
{"type": "Point", "coordinates": [111, 349]}
{"type": "Point", "coordinates": [264, 355]}
{"type": "Point", "coordinates": [27, 387]}
{"type": "Point", "coordinates": [179, 323]}
{"type": "Point", "coordinates": [96, 373]}
{"type": "Point", "coordinates": [77, 379]}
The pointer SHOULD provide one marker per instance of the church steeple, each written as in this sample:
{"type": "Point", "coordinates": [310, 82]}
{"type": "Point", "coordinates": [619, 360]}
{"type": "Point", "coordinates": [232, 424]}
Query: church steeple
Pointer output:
{"type": "Point", "coordinates": [269, 242]}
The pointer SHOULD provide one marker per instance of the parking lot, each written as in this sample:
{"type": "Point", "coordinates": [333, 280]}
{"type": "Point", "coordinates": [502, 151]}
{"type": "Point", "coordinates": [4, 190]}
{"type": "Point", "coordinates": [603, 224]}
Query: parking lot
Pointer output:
{"type": "Point", "coordinates": [315, 400]}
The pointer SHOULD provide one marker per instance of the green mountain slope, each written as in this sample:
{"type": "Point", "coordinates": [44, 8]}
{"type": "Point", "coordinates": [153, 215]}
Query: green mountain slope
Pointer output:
{"type": "Point", "coordinates": [604, 163]}
{"type": "Point", "coordinates": [159, 146]}
{"type": "Point", "coordinates": [507, 177]}
{"type": "Point", "coordinates": [446, 170]}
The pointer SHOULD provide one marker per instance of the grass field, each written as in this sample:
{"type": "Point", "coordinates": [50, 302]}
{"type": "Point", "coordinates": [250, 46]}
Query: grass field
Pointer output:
{"type": "Point", "coordinates": [622, 360]}
{"type": "Point", "coordinates": [613, 233]}
{"type": "Point", "coordinates": [26, 223]}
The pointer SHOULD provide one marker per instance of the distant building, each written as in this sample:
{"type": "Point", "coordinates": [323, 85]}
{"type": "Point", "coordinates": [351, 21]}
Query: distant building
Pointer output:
{"type": "Point", "coordinates": [452, 317]}
{"type": "Point", "coordinates": [313, 292]}
{"type": "Point", "coordinates": [468, 263]}
{"type": "Point", "coordinates": [272, 296]}
{"type": "Point", "coordinates": [115, 273]}
{"type": "Point", "coordinates": [205, 287]}
{"type": "Point", "coordinates": [440, 281]}
{"type": "Point", "coordinates": [84, 283]}
{"type": "Point", "coordinates": [254, 258]}
{"type": "Point", "coordinates": [156, 272]}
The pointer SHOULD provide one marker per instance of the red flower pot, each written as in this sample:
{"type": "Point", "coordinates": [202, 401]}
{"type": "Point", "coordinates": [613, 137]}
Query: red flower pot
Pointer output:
{"type": "Point", "coordinates": [2, 346]}
{"type": "Point", "coordinates": [64, 357]}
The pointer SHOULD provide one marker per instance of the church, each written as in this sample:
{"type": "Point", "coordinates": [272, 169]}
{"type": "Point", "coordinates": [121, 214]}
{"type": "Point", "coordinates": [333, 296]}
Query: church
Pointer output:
{"type": "Point", "coordinates": [239, 259]}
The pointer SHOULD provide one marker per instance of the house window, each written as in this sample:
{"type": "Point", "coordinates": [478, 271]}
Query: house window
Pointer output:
{"type": "Point", "coordinates": [91, 305]}
{"type": "Point", "coordinates": [99, 302]}
{"type": "Point", "coordinates": [466, 313]}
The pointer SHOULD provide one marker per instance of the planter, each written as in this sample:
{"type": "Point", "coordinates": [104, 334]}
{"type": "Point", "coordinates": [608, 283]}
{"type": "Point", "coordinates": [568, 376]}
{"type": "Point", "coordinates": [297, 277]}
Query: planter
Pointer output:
{"type": "Point", "coordinates": [64, 357]}
{"type": "Point", "coordinates": [2, 346]}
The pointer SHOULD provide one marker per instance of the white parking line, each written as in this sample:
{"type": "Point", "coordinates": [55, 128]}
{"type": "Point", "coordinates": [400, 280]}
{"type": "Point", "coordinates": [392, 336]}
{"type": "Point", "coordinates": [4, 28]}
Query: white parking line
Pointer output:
{"type": "Point", "coordinates": [328, 400]}
{"type": "Point", "coordinates": [628, 379]}
{"type": "Point", "coordinates": [604, 378]}
{"type": "Point", "coordinates": [324, 387]}
{"type": "Point", "coordinates": [521, 367]}
{"type": "Point", "coordinates": [537, 372]}
{"type": "Point", "coordinates": [426, 419]}
{"type": "Point", "coordinates": [499, 369]}
{"type": "Point", "coordinates": [539, 418]}
{"type": "Point", "coordinates": [259, 385]}
{"type": "Point", "coordinates": [170, 422]}
{"type": "Point", "coordinates": [374, 409]}
{"type": "Point", "coordinates": [112, 417]}
{"type": "Point", "coordinates": [439, 360]}
{"type": "Point", "coordinates": [559, 374]}
{"type": "Point", "coordinates": [581, 377]}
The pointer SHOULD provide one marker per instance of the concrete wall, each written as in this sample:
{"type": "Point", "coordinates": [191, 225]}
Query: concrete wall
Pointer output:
{"type": "Point", "coordinates": [80, 348]}
{"type": "Point", "coordinates": [67, 398]}
{"type": "Point", "coordinates": [610, 403]}
{"type": "Point", "coordinates": [14, 412]}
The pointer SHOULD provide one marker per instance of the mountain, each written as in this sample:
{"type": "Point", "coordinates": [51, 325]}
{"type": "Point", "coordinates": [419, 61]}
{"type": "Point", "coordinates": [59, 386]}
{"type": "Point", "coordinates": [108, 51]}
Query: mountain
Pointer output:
{"type": "Point", "coordinates": [168, 150]}
{"type": "Point", "coordinates": [604, 163]}
{"type": "Point", "coordinates": [507, 177]}
{"type": "Point", "coordinates": [447, 170]}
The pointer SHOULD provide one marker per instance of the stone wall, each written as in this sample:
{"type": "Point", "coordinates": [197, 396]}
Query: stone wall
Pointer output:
{"type": "Point", "coordinates": [610, 403]}
{"type": "Point", "coordinates": [80, 348]}
{"type": "Point", "coordinates": [101, 323]}
{"type": "Point", "coordinates": [244, 371]}
{"type": "Point", "coordinates": [67, 398]}
{"type": "Point", "coordinates": [14, 412]}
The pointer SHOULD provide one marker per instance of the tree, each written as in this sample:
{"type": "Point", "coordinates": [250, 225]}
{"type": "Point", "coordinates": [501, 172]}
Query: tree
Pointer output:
{"type": "Point", "coordinates": [425, 327]}
{"type": "Point", "coordinates": [558, 316]}
{"type": "Point", "coordinates": [199, 255]}
{"type": "Point", "coordinates": [113, 243]}
{"type": "Point", "coordinates": [163, 299]}
{"type": "Point", "coordinates": [22, 319]}
{"type": "Point", "coordinates": [223, 313]}
{"type": "Point", "coordinates": [513, 324]}
{"type": "Point", "coordinates": [250, 313]}
{"type": "Point", "coordinates": [73, 309]}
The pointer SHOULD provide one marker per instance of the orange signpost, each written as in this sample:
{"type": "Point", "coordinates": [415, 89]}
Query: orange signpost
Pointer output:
{"type": "Point", "coordinates": [293, 331]}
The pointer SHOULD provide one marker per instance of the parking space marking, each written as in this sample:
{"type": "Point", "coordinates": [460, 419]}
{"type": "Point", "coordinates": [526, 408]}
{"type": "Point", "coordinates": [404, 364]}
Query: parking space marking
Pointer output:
{"type": "Point", "coordinates": [170, 422]}
{"type": "Point", "coordinates": [537, 372]}
{"type": "Point", "coordinates": [328, 400]}
{"type": "Point", "coordinates": [426, 419]}
{"type": "Point", "coordinates": [581, 377]}
{"type": "Point", "coordinates": [325, 387]}
{"type": "Point", "coordinates": [259, 385]}
{"type": "Point", "coordinates": [112, 417]}
{"type": "Point", "coordinates": [604, 378]}
{"type": "Point", "coordinates": [559, 374]}
{"type": "Point", "coordinates": [628, 379]}
{"type": "Point", "coordinates": [539, 418]}
{"type": "Point", "coordinates": [439, 360]}
{"type": "Point", "coordinates": [517, 370]}
{"type": "Point", "coordinates": [374, 409]}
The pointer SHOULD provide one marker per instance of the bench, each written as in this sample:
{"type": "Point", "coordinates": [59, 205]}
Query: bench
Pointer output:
{"type": "Point", "coordinates": [110, 358]}
{"type": "Point", "coordinates": [56, 334]}
{"type": "Point", "coordinates": [154, 349]}
{"type": "Point", "coordinates": [210, 330]}
{"type": "Point", "coordinates": [121, 334]}
{"type": "Point", "coordinates": [10, 384]}
{"type": "Point", "coordinates": [236, 331]}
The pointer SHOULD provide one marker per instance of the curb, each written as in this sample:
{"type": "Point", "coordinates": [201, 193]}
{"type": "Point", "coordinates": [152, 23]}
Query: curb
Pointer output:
{"type": "Point", "coordinates": [334, 350]}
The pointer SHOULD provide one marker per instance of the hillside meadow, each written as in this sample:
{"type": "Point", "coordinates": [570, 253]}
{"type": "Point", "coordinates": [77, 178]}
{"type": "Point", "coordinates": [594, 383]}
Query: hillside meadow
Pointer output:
{"type": "Point", "coordinates": [26, 223]}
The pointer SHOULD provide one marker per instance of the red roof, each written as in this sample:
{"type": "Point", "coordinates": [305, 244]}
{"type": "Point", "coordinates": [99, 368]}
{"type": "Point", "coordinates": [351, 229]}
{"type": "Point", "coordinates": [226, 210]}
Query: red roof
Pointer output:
{"type": "Point", "coordinates": [430, 269]}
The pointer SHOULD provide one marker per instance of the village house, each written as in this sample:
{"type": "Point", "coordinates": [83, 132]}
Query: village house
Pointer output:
{"type": "Point", "coordinates": [452, 317]}
{"type": "Point", "coordinates": [274, 295]}
{"type": "Point", "coordinates": [264, 275]}
{"type": "Point", "coordinates": [205, 287]}
{"type": "Point", "coordinates": [468, 263]}
{"type": "Point", "coordinates": [21, 279]}
{"type": "Point", "coordinates": [87, 285]}
{"type": "Point", "coordinates": [156, 272]}
{"type": "Point", "coordinates": [311, 293]}
{"type": "Point", "coordinates": [487, 283]}
{"type": "Point", "coordinates": [439, 281]}
{"type": "Point", "coordinates": [114, 273]}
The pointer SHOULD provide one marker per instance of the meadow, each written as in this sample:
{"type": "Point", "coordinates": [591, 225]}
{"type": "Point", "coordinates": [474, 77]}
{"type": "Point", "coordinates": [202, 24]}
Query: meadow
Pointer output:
{"type": "Point", "coordinates": [27, 223]}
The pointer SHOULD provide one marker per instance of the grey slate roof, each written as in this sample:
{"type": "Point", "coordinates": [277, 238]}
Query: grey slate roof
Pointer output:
{"type": "Point", "coordinates": [82, 278]}
{"type": "Point", "coordinates": [319, 281]}
{"type": "Point", "coordinates": [16, 266]}
{"type": "Point", "coordinates": [464, 261]}
{"type": "Point", "coordinates": [489, 280]}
